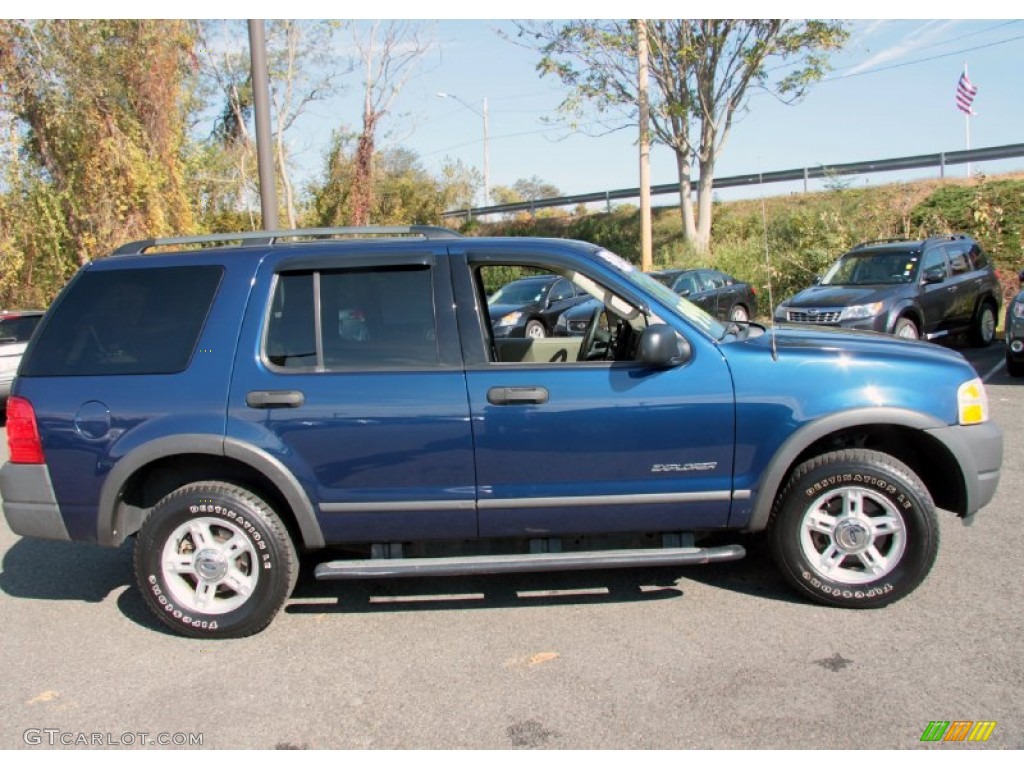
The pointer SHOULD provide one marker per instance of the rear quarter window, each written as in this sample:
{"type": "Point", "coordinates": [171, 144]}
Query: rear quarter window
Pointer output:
{"type": "Point", "coordinates": [129, 321]}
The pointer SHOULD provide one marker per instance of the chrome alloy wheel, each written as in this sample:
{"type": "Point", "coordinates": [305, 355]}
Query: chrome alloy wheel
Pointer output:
{"type": "Point", "coordinates": [209, 565]}
{"type": "Point", "coordinates": [853, 535]}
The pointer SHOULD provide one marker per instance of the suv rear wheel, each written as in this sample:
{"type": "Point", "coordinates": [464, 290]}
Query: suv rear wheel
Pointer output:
{"type": "Point", "coordinates": [855, 529]}
{"type": "Point", "coordinates": [214, 560]}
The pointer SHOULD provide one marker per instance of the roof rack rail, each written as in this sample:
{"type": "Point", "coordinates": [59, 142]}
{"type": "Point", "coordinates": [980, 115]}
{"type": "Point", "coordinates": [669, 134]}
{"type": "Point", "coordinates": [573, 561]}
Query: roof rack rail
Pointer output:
{"type": "Point", "coordinates": [908, 239]}
{"type": "Point", "coordinates": [265, 238]}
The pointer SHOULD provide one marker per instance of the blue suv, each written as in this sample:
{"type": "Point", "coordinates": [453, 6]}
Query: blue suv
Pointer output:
{"type": "Point", "coordinates": [343, 391]}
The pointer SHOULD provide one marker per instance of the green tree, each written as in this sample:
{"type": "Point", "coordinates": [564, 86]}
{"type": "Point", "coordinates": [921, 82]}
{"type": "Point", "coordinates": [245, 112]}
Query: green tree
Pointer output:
{"type": "Point", "coordinates": [303, 69]}
{"type": "Point", "coordinates": [703, 71]}
{"type": "Point", "coordinates": [388, 54]}
{"type": "Point", "coordinates": [404, 192]}
{"type": "Point", "coordinates": [98, 116]}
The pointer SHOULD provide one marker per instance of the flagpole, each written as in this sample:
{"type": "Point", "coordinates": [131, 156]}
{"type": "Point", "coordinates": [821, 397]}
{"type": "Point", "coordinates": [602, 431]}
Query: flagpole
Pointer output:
{"type": "Point", "coordinates": [967, 127]}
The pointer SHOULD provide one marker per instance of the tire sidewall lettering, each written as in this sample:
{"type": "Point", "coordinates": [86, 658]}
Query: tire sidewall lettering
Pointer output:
{"type": "Point", "coordinates": [846, 592]}
{"type": "Point", "coordinates": [265, 559]}
{"type": "Point", "coordinates": [860, 478]}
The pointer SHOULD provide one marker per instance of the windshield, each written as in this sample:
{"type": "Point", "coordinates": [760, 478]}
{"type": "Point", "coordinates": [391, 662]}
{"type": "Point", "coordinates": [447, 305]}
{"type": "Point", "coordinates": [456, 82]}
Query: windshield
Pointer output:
{"type": "Point", "coordinates": [519, 292]}
{"type": "Point", "coordinates": [878, 268]}
{"type": "Point", "coordinates": [665, 295]}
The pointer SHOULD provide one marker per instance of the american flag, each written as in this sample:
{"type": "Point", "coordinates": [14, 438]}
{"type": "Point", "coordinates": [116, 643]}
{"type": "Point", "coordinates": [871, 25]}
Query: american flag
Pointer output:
{"type": "Point", "coordinates": [965, 93]}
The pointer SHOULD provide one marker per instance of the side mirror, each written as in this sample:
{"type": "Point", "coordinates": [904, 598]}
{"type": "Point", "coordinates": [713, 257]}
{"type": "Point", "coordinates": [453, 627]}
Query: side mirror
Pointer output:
{"type": "Point", "coordinates": [934, 275]}
{"type": "Point", "coordinates": [662, 347]}
{"type": "Point", "coordinates": [1020, 277]}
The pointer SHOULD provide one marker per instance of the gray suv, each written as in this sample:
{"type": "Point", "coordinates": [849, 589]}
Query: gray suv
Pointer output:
{"type": "Point", "coordinates": [916, 289]}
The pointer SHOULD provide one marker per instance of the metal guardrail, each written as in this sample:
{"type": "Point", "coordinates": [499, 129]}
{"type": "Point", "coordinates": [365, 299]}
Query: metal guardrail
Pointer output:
{"type": "Point", "coordinates": [939, 160]}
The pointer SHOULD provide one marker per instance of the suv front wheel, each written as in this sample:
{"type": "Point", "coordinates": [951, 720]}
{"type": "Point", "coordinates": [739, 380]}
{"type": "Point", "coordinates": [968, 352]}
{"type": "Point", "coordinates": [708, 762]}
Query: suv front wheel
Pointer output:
{"type": "Point", "coordinates": [213, 560]}
{"type": "Point", "coordinates": [855, 529]}
{"type": "Point", "coordinates": [906, 329]}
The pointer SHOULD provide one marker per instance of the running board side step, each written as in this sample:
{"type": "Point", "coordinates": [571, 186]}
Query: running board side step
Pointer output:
{"type": "Point", "coordinates": [384, 568]}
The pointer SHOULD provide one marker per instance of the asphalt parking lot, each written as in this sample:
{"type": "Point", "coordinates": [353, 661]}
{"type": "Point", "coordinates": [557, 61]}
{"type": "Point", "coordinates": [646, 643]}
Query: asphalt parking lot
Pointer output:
{"type": "Point", "coordinates": [720, 656]}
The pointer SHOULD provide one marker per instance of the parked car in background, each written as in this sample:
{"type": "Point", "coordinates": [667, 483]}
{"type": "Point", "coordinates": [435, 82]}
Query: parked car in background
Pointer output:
{"type": "Point", "coordinates": [715, 292]}
{"type": "Point", "coordinates": [916, 289]}
{"type": "Point", "coordinates": [1015, 332]}
{"type": "Point", "coordinates": [16, 329]}
{"type": "Point", "coordinates": [530, 307]}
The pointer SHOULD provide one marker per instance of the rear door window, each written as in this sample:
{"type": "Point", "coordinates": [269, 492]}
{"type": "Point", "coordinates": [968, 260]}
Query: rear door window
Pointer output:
{"type": "Point", "coordinates": [372, 317]}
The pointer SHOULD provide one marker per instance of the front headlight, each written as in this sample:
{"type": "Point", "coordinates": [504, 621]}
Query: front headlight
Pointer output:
{"type": "Point", "coordinates": [1018, 309]}
{"type": "Point", "coordinates": [972, 402]}
{"type": "Point", "coordinates": [510, 319]}
{"type": "Point", "coordinates": [860, 311]}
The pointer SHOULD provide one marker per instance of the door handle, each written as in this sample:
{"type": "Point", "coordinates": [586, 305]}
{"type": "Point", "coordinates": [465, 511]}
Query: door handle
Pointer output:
{"type": "Point", "coordinates": [517, 395]}
{"type": "Point", "coordinates": [275, 398]}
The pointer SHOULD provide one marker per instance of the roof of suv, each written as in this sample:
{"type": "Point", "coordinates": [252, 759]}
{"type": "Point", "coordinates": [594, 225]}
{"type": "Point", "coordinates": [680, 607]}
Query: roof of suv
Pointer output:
{"type": "Point", "coordinates": [265, 238]}
{"type": "Point", "coordinates": [894, 243]}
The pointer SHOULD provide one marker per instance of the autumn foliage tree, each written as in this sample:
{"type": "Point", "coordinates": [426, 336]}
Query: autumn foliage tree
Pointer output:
{"type": "Point", "coordinates": [96, 128]}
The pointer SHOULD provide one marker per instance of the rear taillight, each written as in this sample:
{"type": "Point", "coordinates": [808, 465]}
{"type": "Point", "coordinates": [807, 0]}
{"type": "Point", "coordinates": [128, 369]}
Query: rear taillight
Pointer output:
{"type": "Point", "coordinates": [23, 441]}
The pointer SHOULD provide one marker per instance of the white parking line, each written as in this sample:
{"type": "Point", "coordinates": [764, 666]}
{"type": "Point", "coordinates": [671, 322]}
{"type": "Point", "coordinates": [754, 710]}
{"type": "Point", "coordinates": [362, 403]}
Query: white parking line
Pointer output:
{"type": "Point", "coordinates": [995, 369]}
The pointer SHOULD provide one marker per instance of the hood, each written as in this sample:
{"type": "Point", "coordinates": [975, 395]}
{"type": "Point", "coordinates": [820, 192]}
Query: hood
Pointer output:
{"type": "Point", "coordinates": [842, 295]}
{"type": "Point", "coordinates": [829, 341]}
{"type": "Point", "coordinates": [819, 371]}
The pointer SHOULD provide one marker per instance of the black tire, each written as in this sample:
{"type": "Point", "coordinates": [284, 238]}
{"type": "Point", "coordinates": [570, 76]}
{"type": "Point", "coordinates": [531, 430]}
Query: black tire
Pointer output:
{"type": "Point", "coordinates": [865, 511]}
{"type": "Point", "coordinates": [535, 330]}
{"type": "Point", "coordinates": [1014, 367]}
{"type": "Point", "coordinates": [235, 540]}
{"type": "Point", "coordinates": [906, 328]}
{"type": "Point", "coordinates": [983, 329]}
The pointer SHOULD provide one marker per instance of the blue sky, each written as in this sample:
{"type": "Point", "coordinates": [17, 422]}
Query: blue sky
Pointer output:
{"type": "Point", "coordinates": [890, 94]}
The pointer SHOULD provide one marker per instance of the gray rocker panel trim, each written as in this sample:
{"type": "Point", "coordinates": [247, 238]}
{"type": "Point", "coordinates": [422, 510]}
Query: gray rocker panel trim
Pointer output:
{"type": "Point", "coordinates": [110, 524]}
{"type": "Point", "coordinates": [586, 501]}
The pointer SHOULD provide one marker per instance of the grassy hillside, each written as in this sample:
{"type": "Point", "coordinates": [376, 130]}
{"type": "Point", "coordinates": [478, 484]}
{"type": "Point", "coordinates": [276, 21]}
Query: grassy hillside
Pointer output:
{"type": "Point", "coordinates": [800, 235]}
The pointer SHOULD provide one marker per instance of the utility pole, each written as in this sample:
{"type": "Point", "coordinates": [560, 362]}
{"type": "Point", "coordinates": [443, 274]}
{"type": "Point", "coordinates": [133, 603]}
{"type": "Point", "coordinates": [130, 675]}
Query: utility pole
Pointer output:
{"type": "Point", "coordinates": [261, 101]}
{"type": "Point", "coordinates": [646, 245]}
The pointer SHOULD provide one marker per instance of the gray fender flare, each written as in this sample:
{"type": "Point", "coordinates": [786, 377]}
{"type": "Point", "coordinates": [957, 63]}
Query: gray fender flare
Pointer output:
{"type": "Point", "coordinates": [899, 309]}
{"type": "Point", "coordinates": [778, 468]}
{"type": "Point", "coordinates": [111, 518]}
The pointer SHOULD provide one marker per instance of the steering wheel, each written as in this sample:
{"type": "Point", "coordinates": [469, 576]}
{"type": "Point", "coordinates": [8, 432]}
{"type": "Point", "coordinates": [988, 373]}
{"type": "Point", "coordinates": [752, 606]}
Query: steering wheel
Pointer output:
{"type": "Point", "coordinates": [591, 335]}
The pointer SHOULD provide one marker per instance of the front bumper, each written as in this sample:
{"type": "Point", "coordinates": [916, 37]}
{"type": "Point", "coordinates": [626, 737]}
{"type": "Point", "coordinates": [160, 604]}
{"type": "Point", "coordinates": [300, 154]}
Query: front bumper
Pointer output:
{"type": "Point", "coordinates": [830, 318]}
{"type": "Point", "coordinates": [1014, 335]}
{"type": "Point", "coordinates": [978, 449]}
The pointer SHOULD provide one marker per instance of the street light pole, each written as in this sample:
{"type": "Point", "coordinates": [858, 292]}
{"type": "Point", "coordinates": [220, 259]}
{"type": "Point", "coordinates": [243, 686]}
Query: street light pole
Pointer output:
{"type": "Point", "coordinates": [487, 161]}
